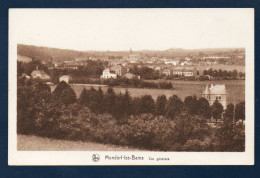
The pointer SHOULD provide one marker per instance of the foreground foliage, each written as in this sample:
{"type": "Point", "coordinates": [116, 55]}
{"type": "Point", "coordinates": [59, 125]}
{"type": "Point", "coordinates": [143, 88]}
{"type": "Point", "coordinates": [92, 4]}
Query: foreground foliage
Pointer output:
{"type": "Point", "coordinates": [166, 125]}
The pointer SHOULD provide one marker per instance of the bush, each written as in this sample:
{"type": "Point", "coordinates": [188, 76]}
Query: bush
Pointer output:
{"type": "Point", "coordinates": [149, 132]}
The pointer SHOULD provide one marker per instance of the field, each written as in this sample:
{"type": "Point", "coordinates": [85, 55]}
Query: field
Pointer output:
{"type": "Point", "coordinates": [235, 89]}
{"type": "Point", "coordinates": [35, 143]}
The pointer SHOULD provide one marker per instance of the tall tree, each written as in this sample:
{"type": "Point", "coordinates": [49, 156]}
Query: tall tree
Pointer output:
{"type": "Point", "coordinates": [229, 112]}
{"type": "Point", "coordinates": [204, 108]}
{"type": "Point", "coordinates": [217, 110]}
{"type": "Point", "coordinates": [240, 111]}
{"type": "Point", "coordinates": [191, 105]}
{"type": "Point", "coordinates": [160, 105]}
{"type": "Point", "coordinates": [110, 100]}
{"type": "Point", "coordinates": [100, 101]}
{"type": "Point", "coordinates": [127, 104]}
{"type": "Point", "coordinates": [147, 104]}
{"type": "Point", "coordinates": [64, 94]}
{"type": "Point", "coordinates": [174, 107]}
{"type": "Point", "coordinates": [84, 97]}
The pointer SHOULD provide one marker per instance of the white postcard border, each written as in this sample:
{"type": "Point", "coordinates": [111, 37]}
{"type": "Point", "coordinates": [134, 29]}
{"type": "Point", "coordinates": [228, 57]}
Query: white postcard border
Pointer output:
{"type": "Point", "coordinates": [85, 157]}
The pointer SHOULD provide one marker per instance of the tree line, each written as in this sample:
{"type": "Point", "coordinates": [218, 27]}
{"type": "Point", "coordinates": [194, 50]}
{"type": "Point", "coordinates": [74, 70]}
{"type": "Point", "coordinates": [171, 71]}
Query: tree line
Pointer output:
{"type": "Point", "coordinates": [224, 74]}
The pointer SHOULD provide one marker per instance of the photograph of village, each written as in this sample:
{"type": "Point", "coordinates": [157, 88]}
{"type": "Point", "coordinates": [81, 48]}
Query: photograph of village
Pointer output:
{"type": "Point", "coordinates": [174, 98]}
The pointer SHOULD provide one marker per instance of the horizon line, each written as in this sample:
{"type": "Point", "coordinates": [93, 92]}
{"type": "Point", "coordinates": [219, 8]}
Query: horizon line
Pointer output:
{"type": "Point", "coordinates": [106, 50]}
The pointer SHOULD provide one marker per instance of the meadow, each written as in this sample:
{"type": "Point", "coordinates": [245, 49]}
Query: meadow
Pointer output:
{"type": "Point", "coordinates": [36, 143]}
{"type": "Point", "coordinates": [235, 89]}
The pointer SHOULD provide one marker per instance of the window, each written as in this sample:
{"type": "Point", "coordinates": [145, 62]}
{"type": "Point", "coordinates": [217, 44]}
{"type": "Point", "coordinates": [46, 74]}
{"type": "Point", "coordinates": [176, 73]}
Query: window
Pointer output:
{"type": "Point", "coordinates": [218, 97]}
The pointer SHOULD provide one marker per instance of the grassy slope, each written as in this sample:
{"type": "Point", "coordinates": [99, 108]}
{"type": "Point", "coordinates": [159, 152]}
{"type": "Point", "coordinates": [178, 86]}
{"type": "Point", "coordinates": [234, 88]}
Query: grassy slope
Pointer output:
{"type": "Point", "coordinates": [35, 143]}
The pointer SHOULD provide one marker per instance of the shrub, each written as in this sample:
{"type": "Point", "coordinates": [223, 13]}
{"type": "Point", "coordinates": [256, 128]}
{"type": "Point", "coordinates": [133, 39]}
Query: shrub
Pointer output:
{"type": "Point", "coordinates": [149, 132]}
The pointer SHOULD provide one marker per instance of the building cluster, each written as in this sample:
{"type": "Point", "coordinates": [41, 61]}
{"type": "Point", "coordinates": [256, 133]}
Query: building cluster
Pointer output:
{"type": "Point", "coordinates": [185, 66]}
{"type": "Point", "coordinates": [187, 71]}
{"type": "Point", "coordinates": [115, 71]}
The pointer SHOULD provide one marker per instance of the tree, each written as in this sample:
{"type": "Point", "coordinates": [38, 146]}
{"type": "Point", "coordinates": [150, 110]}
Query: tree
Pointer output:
{"type": "Point", "coordinates": [160, 105]}
{"type": "Point", "coordinates": [205, 72]}
{"type": "Point", "coordinates": [127, 104]}
{"type": "Point", "coordinates": [234, 74]}
{"type": "Point", "coordinates": [204, 108]}
{"type": "Point", "coordinates": [100, 101]}
{"type": "Point", "coordinates": [110, 100]}
{"type": "Point", "coordinates": [136, 105]}
{"type": "Point", "coordinates": [20, 68]}
{"type": "Point", "coordinates": [229, 139]}
{"type": "Point", "coordinates": [191, 105]}
{"type": "Point", "coordinates": [240, 111]}
{"type": "Point", "coordinates": [240, 74]}
{"type": "Point", "coordinates": [64, 94]}
{"type": "Point", "coordinates": [229, 113]}
{"type": "Point", "coordinates": [184, 129]}
{"type": "Point", "coordinates": [25, 114]}
{"type": "Point", "coordinates": [217, 110]}
{"type": "Point", "coordinates": [54, 75]}
{"type": "Point", "coordinates": [32, 98]}
{"type": "Point", "coordinates": [174, 107]}
{"type": "Point", "coordinates": [147, 104]}
{"type": "Point", "coordinates": [84, 97]}
{"type": "Point", "coordinates": [220, 73]}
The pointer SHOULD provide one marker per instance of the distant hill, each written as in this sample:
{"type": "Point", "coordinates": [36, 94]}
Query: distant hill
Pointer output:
{"type": "Point", "coordinates": [55, 54]}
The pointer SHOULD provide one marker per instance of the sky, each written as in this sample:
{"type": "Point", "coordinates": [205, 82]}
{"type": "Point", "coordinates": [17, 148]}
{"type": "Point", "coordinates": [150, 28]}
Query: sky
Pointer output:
{"type": "Point", "coordinates": [139, 29]}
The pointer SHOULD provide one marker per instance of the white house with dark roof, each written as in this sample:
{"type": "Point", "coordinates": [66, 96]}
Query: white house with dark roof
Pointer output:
{"type": "Point", "coordinates": [40, 74]}
{"type": "Point", "coordinates": [216, 92]}
{"type": "Point", "coordinates": [107, 74]}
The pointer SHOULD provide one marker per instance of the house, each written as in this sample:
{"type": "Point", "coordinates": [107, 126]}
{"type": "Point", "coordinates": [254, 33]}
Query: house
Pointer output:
{"type": "Point", "coordinates": [133, 58]}
{"type": "Point", "coordinates": [185, 71]}
{"type": "Point", "coordinates": [173, 62]}
{"type": "Point", "coordinates": [106, 74]}
{"type": "Point", "coordinates": [40, 74]}
{"type": "Point", "coordinates": [216, 92]}
{"type": "Point", "coordinates": [216, 57]}
{"type": "Point", "coordinates": [167, 72]}
{"type": "Point", "coordinates": [118, 70]}
{"type": "Point", "coordinates": [130, 76]}
{"type": "Point", "coordinates": [190, 72]}
{"type": "Point", "coordinates": [178, 71]}
{"type": "Point", "coordinates": [24, 59]}
{"type": "Point", "coordinates": [65, 78]}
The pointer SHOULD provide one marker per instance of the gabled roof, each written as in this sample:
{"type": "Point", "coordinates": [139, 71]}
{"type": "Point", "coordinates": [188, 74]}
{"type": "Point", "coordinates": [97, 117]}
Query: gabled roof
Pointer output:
{"type": "Point", "coordinates": [217, 89]}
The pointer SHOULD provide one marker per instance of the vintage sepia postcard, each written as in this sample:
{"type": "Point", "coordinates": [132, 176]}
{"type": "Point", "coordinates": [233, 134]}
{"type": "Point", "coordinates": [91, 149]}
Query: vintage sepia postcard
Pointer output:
{"type": "Point", "coordinates": [131, 87]}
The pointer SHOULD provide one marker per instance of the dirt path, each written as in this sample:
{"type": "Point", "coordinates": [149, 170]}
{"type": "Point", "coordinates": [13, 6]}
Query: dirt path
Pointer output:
{"type": "Point", "coordinates": [35, 143]}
